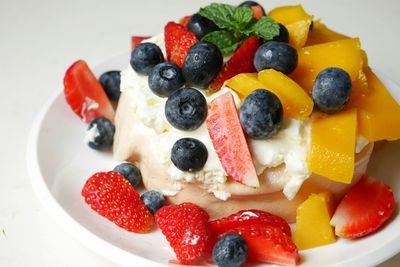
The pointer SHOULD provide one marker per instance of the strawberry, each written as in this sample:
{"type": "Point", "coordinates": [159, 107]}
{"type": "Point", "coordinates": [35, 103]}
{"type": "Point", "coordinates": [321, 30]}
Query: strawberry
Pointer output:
{"type": "Point", "coordinates": [178, 41]}
{"type": "Point", "coordinates": [249, 217]}
{"type": "Point", "coordinates": [240, 62]}
{"type": "Point", "coordinates": [112, 196]}
{"type": "Point", "coordinates": [364, 209]}
{"type": "Point", "coordinates": [136, 40]}
{"type": "Point", "coordinates": [186, 229]}
{"type": "Point", "coordinates": [185, 20]}
{"type": "Point", "coordinates": [229, 141]}
{"type": "Point", "coordinates": [268, 244]}
{"type": "Point", "coordinates": [84, 93]}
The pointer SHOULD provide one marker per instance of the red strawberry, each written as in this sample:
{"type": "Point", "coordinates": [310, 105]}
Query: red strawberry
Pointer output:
{"type": "Point", "coordinates": [246, 218]}
{"type": "Point", "coordinates": [136, 40]}
{"type": "Point", "coordinates": [240, 62]}
{"type": "Point", "coordinates": [269, 244]}
{"type": "Point", "coordinates": [112, 196]}
{"type": "Point", "coordinates": [229, 141]}
{"type": "Point", "coordinates": [185, 20]}
{"type": "Point", "coordinates": [178, 41]}
{"type": "Point", "coordinates": [186, 229]}
{"type": "Point", "coordinates": [365, 208]}
{"type": "Point", "coordinates": [84, 93]}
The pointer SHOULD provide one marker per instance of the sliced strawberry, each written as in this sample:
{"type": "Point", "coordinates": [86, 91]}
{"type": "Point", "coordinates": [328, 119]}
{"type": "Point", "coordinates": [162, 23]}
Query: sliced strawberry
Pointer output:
{"type": "Point", "coordinates": [229, 141]}
{"type": "Point", "coordinates": [178, 41]}
{"type": "Point", "coordinates": [112, 196]}
{"type": "Point", "coordinates": [136, 40]}
{"type": "Point", "coordinates": [364, 209]}
{"type": "Point", "coordinates": [246, 218]}
{"type": "Point", "coordinates": [185, 20]}
{"type": "Point", "coordinates": [84, 93]}
{"type": "Point", "coordinates": [240, 62]}
{"type": "Point", "coordinates": [186, 229]}
{"type": "Point", "coordinates": [269, 244]}
{"type": "Point", "coordinates": [258, 12]}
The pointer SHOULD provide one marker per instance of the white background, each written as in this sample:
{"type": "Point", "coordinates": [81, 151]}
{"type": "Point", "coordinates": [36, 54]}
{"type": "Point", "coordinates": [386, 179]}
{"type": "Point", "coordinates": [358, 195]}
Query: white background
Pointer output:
{"type": "Point", "coordinates": [40, 39]}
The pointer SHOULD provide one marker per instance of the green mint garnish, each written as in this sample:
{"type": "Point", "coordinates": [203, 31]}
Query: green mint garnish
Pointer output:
{"type": "Point", "coordinates": [225, 41]}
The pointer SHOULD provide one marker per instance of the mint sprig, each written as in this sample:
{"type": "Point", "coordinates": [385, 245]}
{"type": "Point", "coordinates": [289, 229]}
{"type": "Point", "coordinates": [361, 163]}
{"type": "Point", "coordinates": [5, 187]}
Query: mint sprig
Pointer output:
{"type": "Point", "coordinates": [236, 24]}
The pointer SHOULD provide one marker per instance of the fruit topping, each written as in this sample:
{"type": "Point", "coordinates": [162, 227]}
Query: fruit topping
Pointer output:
{"type": "Point", "coordinates": [130, 172]}
{"type": "Point", "coordinates": [333, 140]}
{"type": "Point", "coordinates": [85, 94]}
{"type": "Point", "coordinates": [322, 34]}
{"type": "Point", "coordinates": [100, 134]}
{"type": "Point", "coordinates": [112, 196]}
{"type": "Point", "coordinates": [202, 63]}
{"type": "Point", "coordinates": [186, 109]}
{"type": "Point", "coordinates": [111, 81]}
{"type": "Point", "coordinates": [269, 244]}
{"type": "Point", "coordinates": [258, 10]}
{"type": "Point", "coordinates": [145, 56]}
{"type": "Point", "coordinates": [185, 20]}
{"type": "Point", "coordinates": [186, 229]}
{"type": "Point", "coordinates": [153, 200]}
{"type": "Point", "coordinates": [364, 209]}
{"type": "Point", "coordinates": [136, 40]}
{"type": "Point", "coordinates": [178, 41]}
{"type": "Point", "coordinates": [283, 35]}
{"type": "Point", "coordinates": [261, 114]}
{"type": "Point", "coordinates": [312, 221]}
{"type": "Point", "coordinates": [276, 55]}
{"type": "Point", "coordinates": [201, 26]}
{"type": "Point", "coordinates": [331, 90]}
{"type": "Point", "coordinates": [229, 140]}
{"type": "Point", "coordinates": [230, 251]}
{"type": "Point", "coordinates": [165, 78]}
{"type": "Point", "coordinates": [241, 61]}
{"type": "Point", "coordinates": [246, 218]}
{"type": "Point", "coordinates": [189, 154]}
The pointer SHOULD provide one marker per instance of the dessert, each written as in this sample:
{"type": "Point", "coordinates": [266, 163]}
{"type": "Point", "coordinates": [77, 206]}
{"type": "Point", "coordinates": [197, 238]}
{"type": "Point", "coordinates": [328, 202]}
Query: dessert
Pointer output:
{"type": "Point", "coordinates": [238, 123]}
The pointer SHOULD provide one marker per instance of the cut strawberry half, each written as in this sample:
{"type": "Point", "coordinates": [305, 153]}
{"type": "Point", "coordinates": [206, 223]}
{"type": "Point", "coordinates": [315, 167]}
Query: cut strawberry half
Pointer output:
{"type": "Point", "coordinates": [229, 141]}
{"type": "Point", "coordinates": [178, 41]}
{"type": "Point", "coordinates": [246, 218]}
{"type": "Point", "coordinates": [185, 20]}
{"type": "Point", "coordinates": [364, 209]}
{"type": "Point", "coordinates": [269, 244]}
{"type": "Point", "coordinates": [84, 93]}
{"type": "Point", "coordinates": [240, 62]}
{"type": "Point", "coordinates": [136, 40]}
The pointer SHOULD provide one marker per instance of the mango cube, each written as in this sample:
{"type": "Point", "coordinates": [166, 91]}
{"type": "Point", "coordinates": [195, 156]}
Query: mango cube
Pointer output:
{"type": "Point", "coordinates": [322, 34]}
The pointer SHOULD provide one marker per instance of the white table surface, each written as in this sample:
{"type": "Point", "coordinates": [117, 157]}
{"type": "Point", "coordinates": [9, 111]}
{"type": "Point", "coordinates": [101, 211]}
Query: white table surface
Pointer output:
{"type": "Point", "coordinates": [40, 39]}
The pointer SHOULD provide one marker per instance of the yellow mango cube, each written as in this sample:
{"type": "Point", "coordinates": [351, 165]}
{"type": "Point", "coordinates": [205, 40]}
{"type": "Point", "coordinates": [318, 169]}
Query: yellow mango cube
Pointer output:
{"type": "Point", "coordinates": [333, 139]}
{"type": "Point", "coordinates": [322, 34]}
{"type": "Point", "coordinates": [312, 222]}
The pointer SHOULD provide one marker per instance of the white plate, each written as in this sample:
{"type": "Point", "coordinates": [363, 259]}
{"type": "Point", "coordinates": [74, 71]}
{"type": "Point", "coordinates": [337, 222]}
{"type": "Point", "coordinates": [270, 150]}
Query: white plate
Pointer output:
{"type": "Point", "coordinates": [59, 164]}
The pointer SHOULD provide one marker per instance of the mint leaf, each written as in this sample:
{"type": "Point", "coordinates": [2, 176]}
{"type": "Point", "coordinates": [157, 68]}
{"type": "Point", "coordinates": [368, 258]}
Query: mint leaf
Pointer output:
{"type": "Point", "coordinates": [225, 41]}
{"type": "Point", "coordinates": [221, 14]}
{"type": "Point", "coordinates": [265, 27]}
{"type": "Point", "coordinates": [242, 16]}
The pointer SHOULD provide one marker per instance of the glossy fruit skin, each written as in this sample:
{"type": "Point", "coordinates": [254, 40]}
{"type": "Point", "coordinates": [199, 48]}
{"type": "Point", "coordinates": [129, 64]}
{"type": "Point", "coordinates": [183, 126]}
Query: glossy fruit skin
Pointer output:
{"type": "Point", "coordinates": [110, 81]}
{"type": "Point", "coordinates": [230, 251]}
{"type": "Point", "coordinates": [105, 130]}
{"type": "Point", "coordinates": [186, 109]}
{"type": "Point", "coordinates": [202, 63]}
{"type": "Point", "coordinates": [276, 55]}
{"type": "Point", "coordinates": [261, 114]}
{"type": "Point", "coordinates": [332, 89]}
{"type": "Point", "coordinates": [283, 35]}
{"type": "Point", "coordinates": [153, 200]}
{"type": "Point", "coordinates": [189, 154]}
{"type": "Point", "coordinates": [201, 26]}
{"type": "Point", "coordinates": [145, 56]}
{"type": "Point", "coordinates": [130, 172]}
{"type": "Point", "coordinates": [165, 78]}
{"type": "Point", "coordinates": [252, 3]}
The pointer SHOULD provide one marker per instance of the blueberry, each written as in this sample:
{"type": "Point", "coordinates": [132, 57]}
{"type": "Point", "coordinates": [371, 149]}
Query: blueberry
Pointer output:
{"type": "Point", "coordinates": [131, 173]}
{"type": "Point", "coordinates": [230, 251]}
{"type": "Point", "coordinates": [311, 26]}
{"type": "Point", "coordinates": [201, 26]}
{"type": "Point", "coordinates": [202, 63]}
{"type": "Point", "coordinates": [110, 81]}
{"type": "Point", "coordinates": [276, 55]}
{"type": "Point", "coordinates": [145, 56]}
{"type": "Point", "coordinates": [100, 133]}
{"type": "Point", "coordinates": [165, 78]}
{"type": "Point", "coordinates": [261, 114]}
{"type": "Point", "coordinates": [252, 3]}
{"type": "Point", "coordinates": [283, 35]}
{"type": "Point", "coordinates": [186, 109]}
{"type": "Point", "coordinates": [153, 200]}
{"type": "Point", "coordinates": [331, 90]}
{"type": "Point", "coordinates": [189, 154]}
